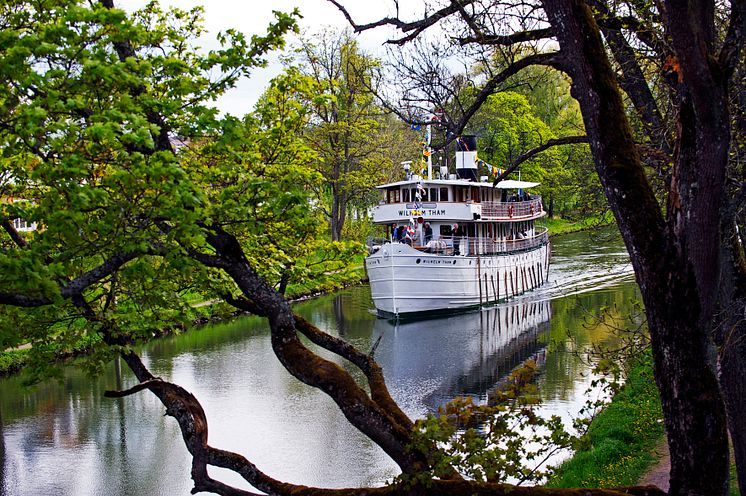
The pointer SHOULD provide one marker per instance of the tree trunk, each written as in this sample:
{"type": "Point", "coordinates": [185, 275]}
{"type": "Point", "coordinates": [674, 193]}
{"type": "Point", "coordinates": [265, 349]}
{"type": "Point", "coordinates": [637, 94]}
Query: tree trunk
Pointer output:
{"type": "Point", "coordinates": [730, 338]}
{"type": "Point", "coordinates": [339, 214]}
{"type": "Point", "coordinates": [670, 269]}
{"type": "Point", "coordinates": [732, 376]}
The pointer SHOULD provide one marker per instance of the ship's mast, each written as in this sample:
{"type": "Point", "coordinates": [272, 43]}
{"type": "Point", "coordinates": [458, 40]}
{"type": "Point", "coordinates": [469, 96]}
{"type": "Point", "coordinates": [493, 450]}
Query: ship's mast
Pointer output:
{"type": "Point", "coordinates": [428, 139]}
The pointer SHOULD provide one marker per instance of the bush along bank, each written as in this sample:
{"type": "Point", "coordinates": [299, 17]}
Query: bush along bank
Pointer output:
{"type": "Point", "coordinates": [203, 312]}
{"type": "Point", "coordinates": [617, 450]}
{"type": "Point", "coordinates": [558, 226]}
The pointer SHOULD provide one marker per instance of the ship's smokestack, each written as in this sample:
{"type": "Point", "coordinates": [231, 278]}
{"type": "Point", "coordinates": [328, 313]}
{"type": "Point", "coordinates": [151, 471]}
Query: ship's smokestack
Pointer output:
{"type": "Point", "coordinates": [466, 158]}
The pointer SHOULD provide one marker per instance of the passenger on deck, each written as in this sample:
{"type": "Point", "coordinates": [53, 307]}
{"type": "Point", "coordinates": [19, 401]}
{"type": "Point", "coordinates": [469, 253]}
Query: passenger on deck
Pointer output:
{"type": "Point", "coordinates": [399, 236]}
{"type": "Point", "coordinates": [456, 239]}
{"type": "Point", "coordinates": [428, 232]}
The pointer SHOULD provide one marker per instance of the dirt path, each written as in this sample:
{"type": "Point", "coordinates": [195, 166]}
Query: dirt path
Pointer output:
{"type": "Point", "coordinates": [658, 474]}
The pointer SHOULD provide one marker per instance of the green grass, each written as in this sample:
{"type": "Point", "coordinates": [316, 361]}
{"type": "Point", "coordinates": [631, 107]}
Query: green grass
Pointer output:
{"type": "Point", "coordinates": [349, 277]}
{"type": "Point", "coordinates": [12, 361]}
{"type": "Point", "coordinates": [620, 442]}
{"type": "Point", "coordinates": [558, 225]}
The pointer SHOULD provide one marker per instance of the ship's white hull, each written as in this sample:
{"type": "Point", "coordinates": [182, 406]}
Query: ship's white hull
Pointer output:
{"type": "Point", "coordinates": [404, 280]}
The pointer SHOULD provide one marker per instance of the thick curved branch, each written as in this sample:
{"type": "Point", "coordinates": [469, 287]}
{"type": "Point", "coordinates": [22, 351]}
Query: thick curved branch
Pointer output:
{"type": "Point", "coordinates": [508, 39]}
{"type": "Point", "coordinates": [76, 286]}
{"type": "Point", "coordinates": [568, 140]}
{"type": "Point", "coordinates": [14, 235]}
{"type": "Point", "coordinates": [192, 420]}
{"type": "Point", "coordinates": [378, 390]}
{"type": "Point", "coordinates": [188, 412]}
{"type": "Point", "coordinates": [362, 412]}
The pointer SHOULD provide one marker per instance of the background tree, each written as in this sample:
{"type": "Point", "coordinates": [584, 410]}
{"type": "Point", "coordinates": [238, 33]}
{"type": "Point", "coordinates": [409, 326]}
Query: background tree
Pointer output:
{"type": "Point", "coordinates": [348, 129]}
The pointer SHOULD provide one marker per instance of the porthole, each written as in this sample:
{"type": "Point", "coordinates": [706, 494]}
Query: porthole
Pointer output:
{"type": "Point", "coordinates": [418, 260]}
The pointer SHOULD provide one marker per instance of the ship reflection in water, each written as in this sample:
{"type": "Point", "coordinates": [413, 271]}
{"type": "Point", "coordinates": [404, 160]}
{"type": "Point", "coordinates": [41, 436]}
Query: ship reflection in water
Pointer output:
{"type": "Point", "coordinates": [429, 362]}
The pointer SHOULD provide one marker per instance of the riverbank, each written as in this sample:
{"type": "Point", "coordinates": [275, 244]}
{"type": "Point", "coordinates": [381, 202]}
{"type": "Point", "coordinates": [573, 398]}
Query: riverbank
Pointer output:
{"type": "Point", "coordinates": [204, 312]}
{"type": "Point", "coordinates": [620, 444]}
{"type": "Point", "coordinates": [626, 443]}
{"type": "Point", "coordinates": [558, 226]}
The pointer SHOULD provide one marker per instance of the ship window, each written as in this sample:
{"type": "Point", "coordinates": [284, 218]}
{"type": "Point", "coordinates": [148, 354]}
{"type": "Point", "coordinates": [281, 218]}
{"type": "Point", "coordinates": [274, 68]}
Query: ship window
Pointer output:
{"type": "Point", "coordinates": [405, 195]}
{"type": "Point", "coordinates": [433, 194]}
{"type": "Point", "coordinates": [443, 194]}
{"type": "Point", "coordinates": [445, 230]}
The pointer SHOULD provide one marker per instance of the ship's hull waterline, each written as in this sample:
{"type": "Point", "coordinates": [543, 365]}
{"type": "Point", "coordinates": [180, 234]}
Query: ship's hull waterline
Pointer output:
{"type": "Point", "coordinates": [405, 281]}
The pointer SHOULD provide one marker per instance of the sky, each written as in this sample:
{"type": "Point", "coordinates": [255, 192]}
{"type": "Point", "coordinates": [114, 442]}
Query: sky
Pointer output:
{"type": "Point", "coordinates": [253, 16]}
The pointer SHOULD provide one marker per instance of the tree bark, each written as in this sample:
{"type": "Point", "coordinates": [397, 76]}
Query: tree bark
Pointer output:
{"type": "Point", "coordinates": [669, 266]}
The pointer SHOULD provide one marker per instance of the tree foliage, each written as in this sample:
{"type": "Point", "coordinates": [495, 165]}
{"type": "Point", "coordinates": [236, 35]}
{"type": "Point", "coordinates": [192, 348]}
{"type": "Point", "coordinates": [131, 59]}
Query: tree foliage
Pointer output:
{"type": "Point", "coordinates": [349, 130]}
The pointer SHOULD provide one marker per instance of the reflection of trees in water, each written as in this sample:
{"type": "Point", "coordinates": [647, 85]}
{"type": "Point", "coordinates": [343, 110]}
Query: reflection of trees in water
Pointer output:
{"type": "Point", "coordinates": [338, 306]}
{"type": "Point", "coordinates": [580, 322]}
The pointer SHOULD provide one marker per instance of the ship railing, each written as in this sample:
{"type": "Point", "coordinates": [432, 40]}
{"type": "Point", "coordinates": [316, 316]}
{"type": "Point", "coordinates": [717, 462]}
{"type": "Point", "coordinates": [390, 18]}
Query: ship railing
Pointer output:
{"type": "Point", "coordinates": [521, 243]}
{"type": "Point", "coordinates": [465, 245]}
{"type": "Point", "coordinates": [512, 209]}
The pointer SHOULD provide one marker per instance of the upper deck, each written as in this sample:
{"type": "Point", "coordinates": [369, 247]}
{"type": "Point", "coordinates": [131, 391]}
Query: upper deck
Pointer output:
{"type": "Point", "coordinates": [456, 200]}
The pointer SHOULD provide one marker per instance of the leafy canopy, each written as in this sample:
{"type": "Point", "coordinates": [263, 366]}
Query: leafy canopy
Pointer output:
{"type": "Point", "coordinates": [111, 146]}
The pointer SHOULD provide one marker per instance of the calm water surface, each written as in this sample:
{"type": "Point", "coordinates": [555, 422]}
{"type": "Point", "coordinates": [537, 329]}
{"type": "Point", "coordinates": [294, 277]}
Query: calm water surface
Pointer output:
{"type": "Point", "coordinates": [66, 439]}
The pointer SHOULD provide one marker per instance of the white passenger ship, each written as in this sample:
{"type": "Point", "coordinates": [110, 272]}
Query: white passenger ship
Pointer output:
{"type": "Point", "coordinates": [455, 241]}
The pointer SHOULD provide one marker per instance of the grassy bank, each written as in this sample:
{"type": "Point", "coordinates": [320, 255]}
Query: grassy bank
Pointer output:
{"type": "Point", "coordinates": [202, 312]}
{"type": "Point", "coordinates": [620, 442]}
{"type": "Point", "coordinates": [12, 361]}
{"type": "Point", "coordinates": [558, 225]}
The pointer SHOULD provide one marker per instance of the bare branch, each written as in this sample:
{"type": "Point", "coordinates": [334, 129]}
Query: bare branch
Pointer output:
{"type": "Point", "coordinates": [555, 60]}
{"type": "Point", "coordinates": [414, 28]}
{"type": "Point", "coordinates": [734, 39]}
{"type": "Point", "coordinates": [568, 140]}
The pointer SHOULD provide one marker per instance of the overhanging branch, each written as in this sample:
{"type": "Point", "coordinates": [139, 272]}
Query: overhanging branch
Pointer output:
{"type": "Point", "coordinates": [568, 140]}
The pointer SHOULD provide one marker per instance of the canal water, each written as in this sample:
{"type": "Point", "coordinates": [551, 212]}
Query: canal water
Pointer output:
{"type": "Point", "coordinates": [65, 438]}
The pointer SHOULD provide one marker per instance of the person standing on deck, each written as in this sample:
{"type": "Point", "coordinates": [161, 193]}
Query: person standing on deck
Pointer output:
{"type": "Point", "coordinates": [456, 239]}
